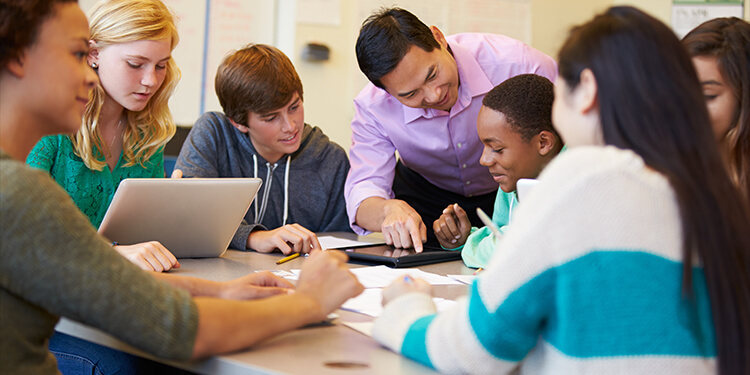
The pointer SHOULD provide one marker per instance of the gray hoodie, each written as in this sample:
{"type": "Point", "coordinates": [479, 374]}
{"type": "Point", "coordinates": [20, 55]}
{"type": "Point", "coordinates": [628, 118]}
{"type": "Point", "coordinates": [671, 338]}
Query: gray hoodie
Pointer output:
{"type": "Point", "coordinates": [316, 175]}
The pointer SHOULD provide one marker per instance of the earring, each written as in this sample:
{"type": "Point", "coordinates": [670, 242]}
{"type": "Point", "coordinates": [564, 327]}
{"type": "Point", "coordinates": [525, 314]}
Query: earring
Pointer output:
{"type": "Point", "coordinates": [94, 65]}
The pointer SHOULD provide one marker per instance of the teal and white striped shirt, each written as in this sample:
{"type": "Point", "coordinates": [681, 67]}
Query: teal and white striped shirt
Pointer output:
{"type": "Point", "coordinates": [586, 280]}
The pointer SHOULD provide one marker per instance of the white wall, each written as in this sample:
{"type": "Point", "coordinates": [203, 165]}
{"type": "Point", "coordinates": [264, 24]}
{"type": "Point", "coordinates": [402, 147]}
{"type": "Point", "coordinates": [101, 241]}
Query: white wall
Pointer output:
{"type": "Point", "coordinates": [329, 86]}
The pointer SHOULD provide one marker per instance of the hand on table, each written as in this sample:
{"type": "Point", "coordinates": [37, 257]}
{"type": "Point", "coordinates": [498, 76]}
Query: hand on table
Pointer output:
{"type": "Point", "coordinates": [453, 227]}
{"type": "Point", "coordinates": [254, 286]}
{"type": "Point", "coordinates": [402, 226]}
{"type": "Point", "coordinates": [291, 238]}
{"type": "Point", "coordinates": [150, 256]}
{"type": "Point", "coordinates": [326, 279]}
{"type": "Point", "coordinates": [177, 173]}
{"type": "Point", "coordinates": [405, 285]}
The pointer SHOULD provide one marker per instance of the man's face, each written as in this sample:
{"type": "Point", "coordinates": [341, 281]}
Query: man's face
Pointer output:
{"type": "Point", "coordinates": [425, 79]}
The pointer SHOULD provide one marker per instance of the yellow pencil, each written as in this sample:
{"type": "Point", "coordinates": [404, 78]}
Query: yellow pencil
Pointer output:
{"type": "Point", "coordinates": [286, 259]}
{"type": "Point", "coordinates": [477, 271]}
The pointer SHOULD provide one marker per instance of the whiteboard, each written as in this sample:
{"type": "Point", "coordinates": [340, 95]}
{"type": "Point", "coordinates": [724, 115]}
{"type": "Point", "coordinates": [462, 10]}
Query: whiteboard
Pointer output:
{"type": "Point", "coordinates": [209, 30]}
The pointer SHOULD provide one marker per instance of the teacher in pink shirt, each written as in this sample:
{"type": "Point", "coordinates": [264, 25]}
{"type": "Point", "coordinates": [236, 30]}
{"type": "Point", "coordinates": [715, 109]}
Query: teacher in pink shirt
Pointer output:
{"type": "Point", "coordinates": [422, 101]}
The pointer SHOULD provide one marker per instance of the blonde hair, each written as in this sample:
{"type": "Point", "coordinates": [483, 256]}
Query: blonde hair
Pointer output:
{"type": "Point", "coordinates": [124, 21]}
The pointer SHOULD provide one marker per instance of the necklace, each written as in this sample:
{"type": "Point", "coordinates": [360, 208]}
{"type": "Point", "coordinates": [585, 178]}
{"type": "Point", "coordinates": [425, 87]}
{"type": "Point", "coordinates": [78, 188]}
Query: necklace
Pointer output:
{"type": "Point", "coordinates": [112, 142]}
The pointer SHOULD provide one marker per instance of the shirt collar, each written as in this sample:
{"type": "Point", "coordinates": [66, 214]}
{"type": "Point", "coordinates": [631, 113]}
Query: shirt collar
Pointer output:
{"type": "Point", "coordinates": [473, 83]}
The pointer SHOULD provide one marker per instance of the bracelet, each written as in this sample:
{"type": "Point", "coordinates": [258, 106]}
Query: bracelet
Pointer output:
{"type": "Point", "coordinates": [114, 243]}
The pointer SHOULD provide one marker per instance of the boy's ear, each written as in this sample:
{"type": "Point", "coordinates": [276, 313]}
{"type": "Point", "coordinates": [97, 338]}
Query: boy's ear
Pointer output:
{"type": "Point", "coordinates": [240, 127]}
{"type": "Point", "coordinates": [547, 142]}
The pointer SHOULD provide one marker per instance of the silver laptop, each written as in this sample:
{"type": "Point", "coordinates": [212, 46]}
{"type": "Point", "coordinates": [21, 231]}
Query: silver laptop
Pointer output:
{"type": "Point", "coordinates": [524, 187]}
{"type": "Point", "coordinates": [191, 217]}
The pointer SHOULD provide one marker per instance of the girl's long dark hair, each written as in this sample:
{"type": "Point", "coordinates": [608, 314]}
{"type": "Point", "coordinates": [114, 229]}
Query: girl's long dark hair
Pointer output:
{"type": "Point", "coordinates": [728, 39]}
{"type": "Point", "coordinates": [650, 102]}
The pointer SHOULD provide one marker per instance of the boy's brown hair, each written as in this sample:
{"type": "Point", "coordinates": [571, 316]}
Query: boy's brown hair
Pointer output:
{"type": "Point", "coordinates": [257, 78]}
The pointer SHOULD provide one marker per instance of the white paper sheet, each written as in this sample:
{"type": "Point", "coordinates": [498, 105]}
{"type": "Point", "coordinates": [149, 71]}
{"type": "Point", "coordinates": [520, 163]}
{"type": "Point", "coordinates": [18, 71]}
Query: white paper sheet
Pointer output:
{"type": "Point", "coordinates": [465, 279]}
{"type": "Point", "coordinates": [364, 328]}
{"type": "Point", "coordinates": [370, 302]}
{"type": "Point", "coordinates": [382, 276]}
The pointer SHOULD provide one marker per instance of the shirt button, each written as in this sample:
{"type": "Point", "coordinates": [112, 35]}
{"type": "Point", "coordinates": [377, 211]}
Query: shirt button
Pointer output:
{"type": "Point", "coordinates": [458, 145]}
{"type": "Point", "coordinates": [470, 195]}
{"type": "Point", "coordinates": [463, 166]}
{"type": "Point", "coordinates": [468, 182]}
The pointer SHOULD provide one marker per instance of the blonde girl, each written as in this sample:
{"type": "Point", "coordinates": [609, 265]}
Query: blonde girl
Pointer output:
{"type": "Point", "coordinates": [127, 121]}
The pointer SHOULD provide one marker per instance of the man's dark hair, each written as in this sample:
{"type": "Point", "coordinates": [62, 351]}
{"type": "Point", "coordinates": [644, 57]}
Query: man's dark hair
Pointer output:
{"type": "Point", "coordinates": [384, 39]}
{"type": "Point", "coordinates": [526, 101]}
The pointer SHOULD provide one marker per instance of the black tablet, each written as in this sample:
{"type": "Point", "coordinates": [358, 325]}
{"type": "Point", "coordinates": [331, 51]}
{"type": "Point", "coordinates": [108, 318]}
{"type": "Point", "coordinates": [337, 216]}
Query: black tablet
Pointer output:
{"type": "Point", "coordinates": [399, 258]}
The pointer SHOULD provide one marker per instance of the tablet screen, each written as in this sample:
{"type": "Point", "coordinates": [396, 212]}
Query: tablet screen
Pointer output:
{"type": "Point", "coordinates": [383, 250]}
{"type": "Point", "coordinates": [393, 257]}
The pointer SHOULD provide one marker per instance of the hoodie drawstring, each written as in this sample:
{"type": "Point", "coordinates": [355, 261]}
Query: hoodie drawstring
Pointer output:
{"type": "Point", "coordinates": [286, 189]}
{"type": "Point", "coordinates": [267, 190]}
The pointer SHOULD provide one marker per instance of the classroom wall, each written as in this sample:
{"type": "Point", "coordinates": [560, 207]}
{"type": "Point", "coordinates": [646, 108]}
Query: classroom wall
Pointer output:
{"type": "Point", "coordinates": [330, 86]}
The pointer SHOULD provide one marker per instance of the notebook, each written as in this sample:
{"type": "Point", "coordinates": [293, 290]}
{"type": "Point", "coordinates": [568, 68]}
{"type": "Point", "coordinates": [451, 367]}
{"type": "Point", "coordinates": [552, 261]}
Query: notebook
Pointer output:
{"type": "Point", "coordinates": [398, 258]}
{"type": "Point", "coordinates": [191, 217]}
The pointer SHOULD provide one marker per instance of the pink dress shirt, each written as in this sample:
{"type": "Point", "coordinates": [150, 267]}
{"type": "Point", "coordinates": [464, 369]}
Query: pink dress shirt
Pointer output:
{"type": "Point", "coordinates": [441, 146]}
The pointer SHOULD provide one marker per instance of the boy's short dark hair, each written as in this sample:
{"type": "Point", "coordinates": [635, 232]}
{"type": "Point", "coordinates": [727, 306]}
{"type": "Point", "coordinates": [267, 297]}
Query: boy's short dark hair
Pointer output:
{"type": "Point", "coordinates": [258, 78]}
{"type": "Point", "coordinates": [384, 39]}
{"type": "Point", "coordinates": [526, 101]}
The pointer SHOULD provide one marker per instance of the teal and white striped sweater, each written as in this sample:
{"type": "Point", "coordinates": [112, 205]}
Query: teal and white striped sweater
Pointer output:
{"type": "Point", "coordinates": [587, 280]}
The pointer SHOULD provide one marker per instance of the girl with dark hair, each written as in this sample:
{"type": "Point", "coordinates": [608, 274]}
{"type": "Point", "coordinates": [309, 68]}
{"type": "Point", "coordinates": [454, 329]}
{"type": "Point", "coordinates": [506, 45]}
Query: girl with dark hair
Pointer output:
{"type": "Point", "coordinates": [630, 255]}
{"type": "Point", "coordinates": [721, 54]}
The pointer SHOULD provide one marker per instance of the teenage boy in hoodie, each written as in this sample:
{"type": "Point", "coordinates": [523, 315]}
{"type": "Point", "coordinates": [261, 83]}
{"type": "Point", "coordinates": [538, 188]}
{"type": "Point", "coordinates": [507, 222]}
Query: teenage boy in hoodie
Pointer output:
{"type": "Point", "coordinates": [515, 126]}
{"type": "Point", "coordinates": [262, 133]}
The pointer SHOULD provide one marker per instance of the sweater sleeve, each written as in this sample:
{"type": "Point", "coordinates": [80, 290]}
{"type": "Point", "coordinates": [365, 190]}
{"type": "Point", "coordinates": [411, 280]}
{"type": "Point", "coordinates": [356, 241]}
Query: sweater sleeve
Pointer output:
{"type": "Point", "coordinates": [479, 248]}
{"type": "Point", "coordinates": [70, 271]}
{"type": "Point", "coordinates": [493, 337]}
{"type": "Point", "coordinates": [239, 240]}
{"type": "Point", "coordinates": [481, 244]}
{"type": "Point", "coordinates": [199, 156]}
{"type": "Point", "coordinates": [42, 156]}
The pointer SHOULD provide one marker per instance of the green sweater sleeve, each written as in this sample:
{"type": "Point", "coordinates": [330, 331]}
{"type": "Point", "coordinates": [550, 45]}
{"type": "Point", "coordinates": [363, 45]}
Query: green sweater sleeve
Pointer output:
{"type": "Point", "coordinates": [479, 248]}
{"type": "Point", "coordinates": [44, 153]}
{"type": "Point", "coordinates": [480, 245]}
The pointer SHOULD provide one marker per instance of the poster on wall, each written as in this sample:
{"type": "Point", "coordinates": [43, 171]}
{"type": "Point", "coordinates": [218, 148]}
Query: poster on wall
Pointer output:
{"type": "Point", "coordinates": [686, 15]}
